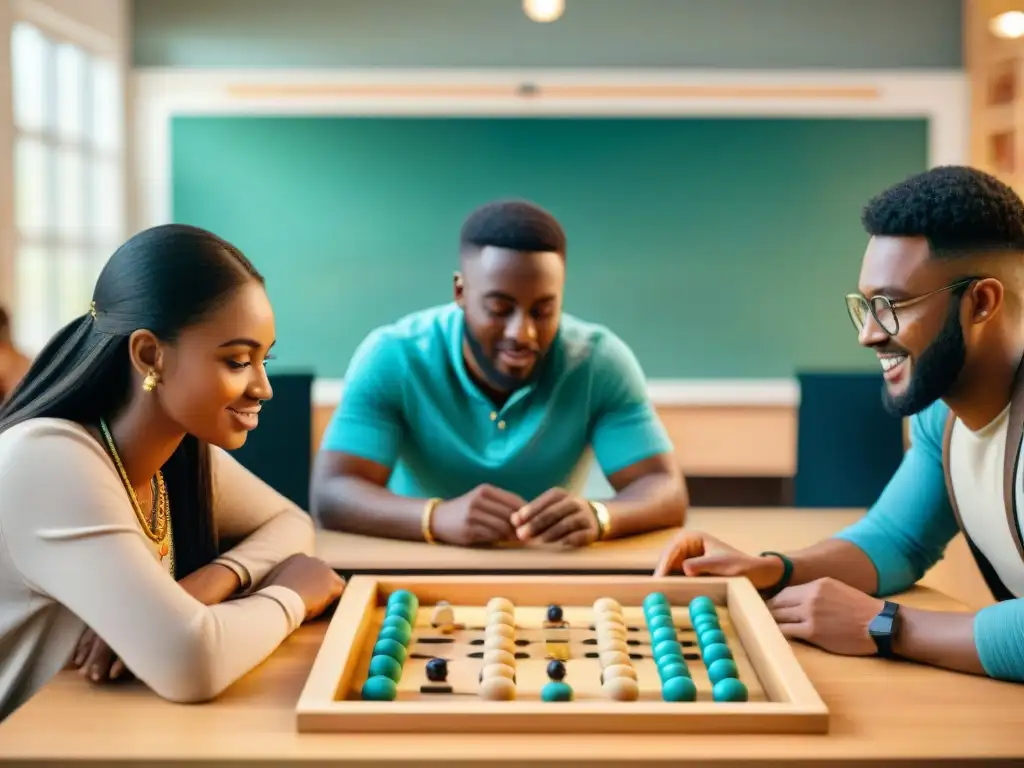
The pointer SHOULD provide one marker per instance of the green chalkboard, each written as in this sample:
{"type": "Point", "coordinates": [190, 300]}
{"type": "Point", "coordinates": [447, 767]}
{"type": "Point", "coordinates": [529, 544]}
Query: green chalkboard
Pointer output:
{"type": "Point", "coordinates": [715, 247]}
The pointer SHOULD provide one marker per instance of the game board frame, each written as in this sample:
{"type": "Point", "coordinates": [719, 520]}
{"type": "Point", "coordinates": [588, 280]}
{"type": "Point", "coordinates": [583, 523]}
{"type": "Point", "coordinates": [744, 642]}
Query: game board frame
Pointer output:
{"type": "Point", "coordinates": [794, 705]}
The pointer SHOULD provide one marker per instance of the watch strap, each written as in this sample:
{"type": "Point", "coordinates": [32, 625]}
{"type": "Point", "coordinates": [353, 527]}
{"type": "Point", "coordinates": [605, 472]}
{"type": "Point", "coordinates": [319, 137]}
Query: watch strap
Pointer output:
{"type": "Point", "coordinates": [783, 582]}
{"type": "Point", "coordinates": [883, 629]}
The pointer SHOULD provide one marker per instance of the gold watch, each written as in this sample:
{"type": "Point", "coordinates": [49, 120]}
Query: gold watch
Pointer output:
{"type": "Point", "coordinates": [604, 519]}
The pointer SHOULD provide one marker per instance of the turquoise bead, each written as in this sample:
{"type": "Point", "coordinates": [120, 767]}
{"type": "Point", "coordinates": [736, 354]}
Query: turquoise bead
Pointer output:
{"type": "Point", "coordinates": [710, 637]}
{"type": "Point", "coordinates": [556, 691]}
{"type": "Point", "coordinates": [669, 658]}
{"type": "Point", "coordinates": [391, 648]}
{"type": "Point", "coordinates": [396, 619]}
{"type": "Point", "coordinates": [380, 688]}
{"type": "Point", "coordinates": [395, 632]}
{"type": "Point", "coordinates": [655, 598]}
{"type": "Point", "coordinates": [397, 628]}
{"type": "Point", "coordinates": [385, 666]}
{"type": "Point", "coordinates": [662, 634]}
{"type": "Point", "coordinates": [714, 652]}
{"type": "Point", "coordinates": [679, 689]}
{"type": "Point", "coordinates": [658, 610]}
{"type": "Point", "coordinates": [721, 669]}
{"type": "Point", "coordinates": [402, 596]}
{"type": "Point", "coordinates": [669, 671]}
{"type": "Point", "coordinates": [395, 606]}
{"type": "Point", "coordinates": [703, 622]}
{"type": "Point", "coordinates": [705, 618]}
{"type": "Point", "coordinates": [657, 622]}
{"type": "Point", "coordinates": [729, 689]}
{"type": "Point", "coordinates": [402, 610]}
{"type": "Point", "coordinates": [666, 647]}
{"type": "Point", "coordinates": [701, 605]}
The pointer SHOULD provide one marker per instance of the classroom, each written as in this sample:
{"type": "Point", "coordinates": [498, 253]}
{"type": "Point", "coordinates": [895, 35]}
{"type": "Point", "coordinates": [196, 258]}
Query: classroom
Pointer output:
{"type": "Point", "coordinates": [688, 183]}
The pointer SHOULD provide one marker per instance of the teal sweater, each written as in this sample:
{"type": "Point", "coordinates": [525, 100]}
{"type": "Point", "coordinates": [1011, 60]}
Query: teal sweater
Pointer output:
{"type": "Point", "coordinates": [907, 530]}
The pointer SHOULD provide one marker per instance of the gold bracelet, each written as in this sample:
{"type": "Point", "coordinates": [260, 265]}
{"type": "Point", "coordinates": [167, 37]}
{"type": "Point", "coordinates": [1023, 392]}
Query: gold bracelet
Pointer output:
{"type": "Point", "coordinates": [428, 513]}
{"type": "Point", "coordinates": [604, 519]}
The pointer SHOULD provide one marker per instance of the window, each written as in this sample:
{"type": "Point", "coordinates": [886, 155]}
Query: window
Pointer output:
{"type": "Point", "coordinates": [68, 177]}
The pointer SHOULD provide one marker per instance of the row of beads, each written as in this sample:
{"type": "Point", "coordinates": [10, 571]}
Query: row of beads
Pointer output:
{"type": "Point", "coordinates": [618, 676]}
{"type": "Point", "coordinates": [498, 673]}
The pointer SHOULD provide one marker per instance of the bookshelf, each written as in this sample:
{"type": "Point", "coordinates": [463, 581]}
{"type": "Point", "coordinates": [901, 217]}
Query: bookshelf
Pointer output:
{"type": "Point", "coordinates": [994, 53]}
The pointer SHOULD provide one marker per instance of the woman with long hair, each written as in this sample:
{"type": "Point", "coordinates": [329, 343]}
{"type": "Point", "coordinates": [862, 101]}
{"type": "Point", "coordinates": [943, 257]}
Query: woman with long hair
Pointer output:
{"type": "Point", "coordinates": [131, 542]}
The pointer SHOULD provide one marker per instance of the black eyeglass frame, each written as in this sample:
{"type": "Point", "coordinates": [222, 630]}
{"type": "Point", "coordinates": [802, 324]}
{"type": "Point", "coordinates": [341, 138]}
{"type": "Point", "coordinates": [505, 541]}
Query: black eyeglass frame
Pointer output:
{"type": "Point", "coordinates": [855, 299]}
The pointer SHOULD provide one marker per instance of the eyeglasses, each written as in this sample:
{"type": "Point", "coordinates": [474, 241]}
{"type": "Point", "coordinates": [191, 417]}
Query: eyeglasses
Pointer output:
{"type": "Point", "coordinates": [883, 309]}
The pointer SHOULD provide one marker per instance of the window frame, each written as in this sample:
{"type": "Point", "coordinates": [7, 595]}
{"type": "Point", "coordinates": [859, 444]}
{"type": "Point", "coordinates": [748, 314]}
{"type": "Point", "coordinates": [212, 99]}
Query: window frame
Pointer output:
{"type": "Point", "coordinates": [99, 155]}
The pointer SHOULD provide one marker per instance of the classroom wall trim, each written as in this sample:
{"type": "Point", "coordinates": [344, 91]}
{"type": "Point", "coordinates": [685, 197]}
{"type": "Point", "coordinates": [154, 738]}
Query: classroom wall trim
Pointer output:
{"type": "Point", "coordinates": [940, 97]}
{"type": "Point", "coordinates": [664, 393]}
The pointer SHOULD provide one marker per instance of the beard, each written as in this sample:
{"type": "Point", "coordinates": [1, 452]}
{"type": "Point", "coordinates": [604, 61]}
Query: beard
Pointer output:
{"type": "Point", "coordinates": [934, 372]}
{"type": "Point", "coordinates": [498, 379]}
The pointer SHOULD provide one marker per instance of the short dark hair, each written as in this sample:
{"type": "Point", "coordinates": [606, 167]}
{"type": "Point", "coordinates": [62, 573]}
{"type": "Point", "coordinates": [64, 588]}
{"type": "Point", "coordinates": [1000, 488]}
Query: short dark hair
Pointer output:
{"type": "Point", "coordinates": [518, 225]}
{"type": "Point", "coordinates": [164, 279]}
{"type": "Point", "coordinates": [959, 210]}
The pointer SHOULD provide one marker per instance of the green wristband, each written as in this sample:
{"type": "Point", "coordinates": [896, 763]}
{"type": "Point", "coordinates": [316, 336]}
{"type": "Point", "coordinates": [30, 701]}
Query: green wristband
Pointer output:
{"type": "Point", "coordinates": [783, 582]}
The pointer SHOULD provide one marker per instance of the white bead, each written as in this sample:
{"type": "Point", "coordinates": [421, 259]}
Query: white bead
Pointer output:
{"type": "Point", "coordinates": [619, 670]}
{"type": "Point", "coordinates": [503, 630]}
{"type": "Point", "coordinates": [501, 617]}
{"type": "Point", "coordinates": [500, 604]}
{"type": "Point", "coordinates": [603, 604]}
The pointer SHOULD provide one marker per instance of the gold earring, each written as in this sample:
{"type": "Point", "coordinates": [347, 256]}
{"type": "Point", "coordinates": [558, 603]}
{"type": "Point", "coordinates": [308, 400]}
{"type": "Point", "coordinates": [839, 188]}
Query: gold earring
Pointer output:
{"type": "Point", "coordinates": [150, 382]}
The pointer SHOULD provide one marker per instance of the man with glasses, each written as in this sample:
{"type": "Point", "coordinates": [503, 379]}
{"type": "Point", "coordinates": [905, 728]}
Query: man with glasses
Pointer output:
{"type": "Point", "coordinates": [940, 303]}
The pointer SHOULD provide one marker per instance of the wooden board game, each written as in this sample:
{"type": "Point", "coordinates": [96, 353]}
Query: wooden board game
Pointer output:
{"type": "Point", "coordinates": [564, 654]}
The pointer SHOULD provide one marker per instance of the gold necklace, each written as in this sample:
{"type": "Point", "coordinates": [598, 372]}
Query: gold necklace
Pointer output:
{"type": "Point", "coordinates": [155, 534]}
{"type": "Point", "coordinates": [167, 547]}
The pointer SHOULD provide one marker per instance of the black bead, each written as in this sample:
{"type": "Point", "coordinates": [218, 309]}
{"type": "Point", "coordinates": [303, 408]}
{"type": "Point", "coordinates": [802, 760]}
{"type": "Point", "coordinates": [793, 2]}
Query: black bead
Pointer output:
{"type": "Point", "coordinates": [556, 670]}
{"type": "Point", "coordinates": [437, 670]}
{"type": "Point", "coordinates": [554, 613]}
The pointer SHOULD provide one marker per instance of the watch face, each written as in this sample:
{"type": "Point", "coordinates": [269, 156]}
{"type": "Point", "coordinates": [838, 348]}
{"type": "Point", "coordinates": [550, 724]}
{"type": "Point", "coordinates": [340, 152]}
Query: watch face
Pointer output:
{"type": "Point", "coordinates": [880, 625]}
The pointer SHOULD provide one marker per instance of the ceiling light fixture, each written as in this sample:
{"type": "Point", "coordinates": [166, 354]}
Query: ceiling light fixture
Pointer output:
{"type": "Point", "coordinates": [1009, 25]}
{"type": "Point", "coordinates": [544, 11]}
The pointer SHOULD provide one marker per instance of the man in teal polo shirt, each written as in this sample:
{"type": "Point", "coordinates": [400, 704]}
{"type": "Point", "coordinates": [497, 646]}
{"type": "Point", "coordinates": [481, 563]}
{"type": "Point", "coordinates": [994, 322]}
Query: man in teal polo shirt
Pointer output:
{"type": "Point", "coordinates": [472, 423]}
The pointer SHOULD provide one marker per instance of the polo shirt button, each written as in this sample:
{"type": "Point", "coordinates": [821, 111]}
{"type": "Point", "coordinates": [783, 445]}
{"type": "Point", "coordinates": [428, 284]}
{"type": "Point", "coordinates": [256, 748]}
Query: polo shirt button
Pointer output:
{"type": "Point", "coordinates": [494, 415]}
{"type": "Point", "coordinates": [501, 425]}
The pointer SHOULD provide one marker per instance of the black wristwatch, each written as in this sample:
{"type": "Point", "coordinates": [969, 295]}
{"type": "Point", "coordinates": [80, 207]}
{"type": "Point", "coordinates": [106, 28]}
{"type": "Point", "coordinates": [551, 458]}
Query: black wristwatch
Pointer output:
{"type": "Point", "coordinates": [883, 629]}
{"type": "Point", "coordinates": [783, 582]}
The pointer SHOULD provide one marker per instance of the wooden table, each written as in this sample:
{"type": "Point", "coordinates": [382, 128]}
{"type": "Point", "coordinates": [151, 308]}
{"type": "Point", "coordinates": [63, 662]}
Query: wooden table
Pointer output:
{"type": "Point", "coordinates": [880, 711]}
{"type": "Point", "coordinates": [753, 530]}
{"type": "Point", "coordinates": [749, 529]}
{"type": "Point", "coordinates": [884, 712]}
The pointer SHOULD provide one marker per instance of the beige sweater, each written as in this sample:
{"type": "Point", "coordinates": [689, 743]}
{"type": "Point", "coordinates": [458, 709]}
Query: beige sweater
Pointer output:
{"type": "Point", "coordinates": [72, 555]}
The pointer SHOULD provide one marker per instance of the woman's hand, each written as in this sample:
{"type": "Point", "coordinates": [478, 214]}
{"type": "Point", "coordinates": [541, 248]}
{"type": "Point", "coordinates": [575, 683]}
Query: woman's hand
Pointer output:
{"type": "Point", "coordinates": [95, 660]}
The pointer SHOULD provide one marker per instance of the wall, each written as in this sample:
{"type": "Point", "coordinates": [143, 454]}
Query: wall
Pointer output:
{"type": "Point", "coordinates": [684, 233]}
{"type": "Point", "coordinates": [744, 34]}
{"type": "Point", "coordinates": [741, 187]}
